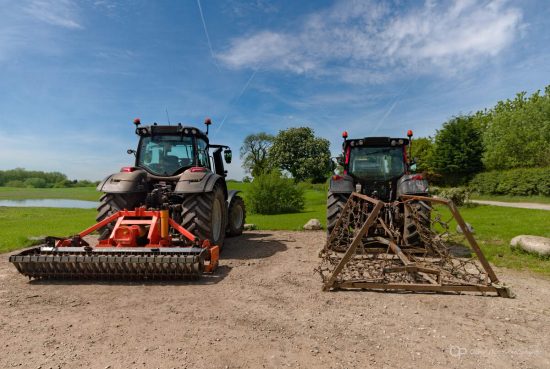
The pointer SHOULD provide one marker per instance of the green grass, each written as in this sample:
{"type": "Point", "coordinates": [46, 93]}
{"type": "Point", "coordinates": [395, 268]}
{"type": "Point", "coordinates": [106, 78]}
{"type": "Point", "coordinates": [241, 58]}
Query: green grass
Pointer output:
{"type": "Point", "coordinates": [76, 193]}
{"type": "Point", "coordinates": [18, 224]}
{"type": "Point", "coordinates": [495, 227]}
{"type": "Point", "coordinates": [535, 199]}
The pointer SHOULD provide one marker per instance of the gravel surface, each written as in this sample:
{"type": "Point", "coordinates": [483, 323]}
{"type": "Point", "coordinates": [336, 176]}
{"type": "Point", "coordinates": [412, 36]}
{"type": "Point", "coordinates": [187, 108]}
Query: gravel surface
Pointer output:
{"type": "Point", "coordinates": [264, 309]}
{"type": "Point", "coordinates": [522, 205]}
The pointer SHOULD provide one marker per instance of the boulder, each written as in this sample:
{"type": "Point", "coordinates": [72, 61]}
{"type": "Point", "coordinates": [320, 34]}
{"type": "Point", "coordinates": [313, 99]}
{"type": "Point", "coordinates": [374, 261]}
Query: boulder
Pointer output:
{"type": "Point", "coordinates": [313, 225]}
{"type": "Point", "coordinates": [249, 227]}
{"type": "Point", "coordinates": [535, 244]}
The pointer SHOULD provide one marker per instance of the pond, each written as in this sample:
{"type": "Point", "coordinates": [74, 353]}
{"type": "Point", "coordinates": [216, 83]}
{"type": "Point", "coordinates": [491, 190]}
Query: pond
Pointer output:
{"type": "Point", "coordinates": [50, 203]}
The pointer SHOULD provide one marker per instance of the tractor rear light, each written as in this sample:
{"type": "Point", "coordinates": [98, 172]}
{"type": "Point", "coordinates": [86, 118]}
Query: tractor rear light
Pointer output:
{"type": "Point", "coordinates": [393, 142]}
{"type": "Point", "coordinates": [361, 142]}
{"type": "Point", "coordinates": [336, 177]}
{"type": "Point", "coordinates": [417, 177]}
{"type": "Point", "coordinates": [128, 169]}
{"type": "Point", "coordinates": [197, 169]}
{"type": "Point", "coordinates": [401, 142]}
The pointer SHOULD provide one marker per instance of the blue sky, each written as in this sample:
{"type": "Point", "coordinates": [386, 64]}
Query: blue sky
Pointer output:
{"type": "Point", "coordinates": [74, 74]}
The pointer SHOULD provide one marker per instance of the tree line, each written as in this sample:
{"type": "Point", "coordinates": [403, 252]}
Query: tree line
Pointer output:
{"type": "Point", "coordinates": [20, 177]}
{"type": "Point", "coordinates": [513, 134]}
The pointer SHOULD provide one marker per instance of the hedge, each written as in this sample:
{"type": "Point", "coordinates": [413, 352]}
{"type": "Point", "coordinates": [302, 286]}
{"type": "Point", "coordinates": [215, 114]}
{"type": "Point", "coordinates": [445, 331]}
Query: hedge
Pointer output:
{"type": "Point", "coordinates": [515, 182]}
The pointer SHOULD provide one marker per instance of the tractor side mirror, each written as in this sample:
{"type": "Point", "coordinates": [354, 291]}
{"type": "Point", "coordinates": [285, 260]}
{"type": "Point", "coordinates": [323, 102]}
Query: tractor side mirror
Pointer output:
{"type": "Point", "coordinates": [228, 155]}
{"type": "Point", "coordinates": [413, 167]}
{"type": "Point", "coordinates": [130, 152]}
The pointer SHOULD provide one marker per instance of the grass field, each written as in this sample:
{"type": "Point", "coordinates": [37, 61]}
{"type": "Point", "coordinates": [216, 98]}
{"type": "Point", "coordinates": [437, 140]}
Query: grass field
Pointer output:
{"type": "Point", "coordinates": [77, 193]}
{"type": "Point", "coordinates": [18, 224]}
{"type": "Point", "coordinates": [494, 226]}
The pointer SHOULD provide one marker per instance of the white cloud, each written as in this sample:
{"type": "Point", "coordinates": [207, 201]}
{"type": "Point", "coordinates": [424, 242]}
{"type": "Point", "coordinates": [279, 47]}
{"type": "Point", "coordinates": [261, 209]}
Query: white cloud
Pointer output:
{"type": "Point", "coordinates": [365, 41]}
{"type": "Point", "coordinates": [62, 13]}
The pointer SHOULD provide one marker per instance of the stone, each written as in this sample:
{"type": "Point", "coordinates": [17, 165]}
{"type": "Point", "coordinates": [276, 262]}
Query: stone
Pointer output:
{"type": "Point", "coordinates": [468, 227]}
{"type": "Point", "coordinates": [313, 225]}
{"type": "Point", "coordinates": [249, 227]}
{"type": "Point", "coordinates": [535, 244]}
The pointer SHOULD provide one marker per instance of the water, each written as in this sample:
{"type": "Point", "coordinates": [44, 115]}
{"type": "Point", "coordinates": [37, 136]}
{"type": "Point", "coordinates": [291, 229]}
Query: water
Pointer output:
{"type": "Point", "coordinates": [50, 203]}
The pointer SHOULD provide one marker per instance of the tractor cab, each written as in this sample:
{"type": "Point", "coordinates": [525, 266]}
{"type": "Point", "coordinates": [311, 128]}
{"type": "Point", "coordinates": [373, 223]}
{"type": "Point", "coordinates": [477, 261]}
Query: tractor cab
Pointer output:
{"type": "Point", "coordinates": [378, 167]}
{"type": "Point", "coordinates": [375, 158]}
{"type": "Point", "coordinates": [167, 151]}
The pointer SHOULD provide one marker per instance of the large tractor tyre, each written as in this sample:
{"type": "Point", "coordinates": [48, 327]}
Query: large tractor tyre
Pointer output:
{"type": "Point", "coordinates": [110, 203]}
{"type": "Point", "coordinates": [237, 215]}
{"type": "Point", "coordinates": [411, 232]}
{"type": "Point", "coordinates": [335, 204]}
{"type": "Point", "coordinates": [205, 215]}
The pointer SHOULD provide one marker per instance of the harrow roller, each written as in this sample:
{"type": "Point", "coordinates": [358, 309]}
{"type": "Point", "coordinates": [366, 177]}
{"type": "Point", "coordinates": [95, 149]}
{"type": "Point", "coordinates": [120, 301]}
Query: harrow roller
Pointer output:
{"type": "Point", "coordinates": [153, 252]}
{"type": "Point", "coordinates": [74, 263]}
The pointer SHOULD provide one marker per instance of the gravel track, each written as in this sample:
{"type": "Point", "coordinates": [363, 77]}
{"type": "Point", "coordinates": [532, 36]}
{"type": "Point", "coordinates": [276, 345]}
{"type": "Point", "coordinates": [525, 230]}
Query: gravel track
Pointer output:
{"type": "Point", "coordinates": [264, 309]}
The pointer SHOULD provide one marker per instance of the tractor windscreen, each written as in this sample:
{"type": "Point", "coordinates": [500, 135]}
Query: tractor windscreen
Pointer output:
{"type": "Point", "coordinates": [377, 163]}
{"type": "Point", "coordinates": [165, 155]}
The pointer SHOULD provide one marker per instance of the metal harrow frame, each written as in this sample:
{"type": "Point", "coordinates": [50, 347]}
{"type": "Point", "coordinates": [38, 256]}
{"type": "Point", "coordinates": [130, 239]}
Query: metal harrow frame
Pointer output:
{"type": "Point", "coordinates": [385, 262]}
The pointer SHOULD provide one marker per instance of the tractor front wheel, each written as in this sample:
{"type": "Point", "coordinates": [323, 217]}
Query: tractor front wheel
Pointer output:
{"type": "Point", "coordinates": [335, 204]}
{"type": "Point", "coordinates": [237, 215]}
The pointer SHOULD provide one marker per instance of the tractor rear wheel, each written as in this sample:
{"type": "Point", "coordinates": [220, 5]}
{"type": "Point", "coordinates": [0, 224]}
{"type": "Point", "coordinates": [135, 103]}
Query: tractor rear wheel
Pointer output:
{"type": "Point", "coordinates": [335, 204]}
{"type": "Point", "coordinates": [237, 215]}
{"type": "Point", "coordinates": [423, 212]}
{"type": "Point", "coordinates": [205, 215]}
{"type": "Point", "coordinates": [110, 203]}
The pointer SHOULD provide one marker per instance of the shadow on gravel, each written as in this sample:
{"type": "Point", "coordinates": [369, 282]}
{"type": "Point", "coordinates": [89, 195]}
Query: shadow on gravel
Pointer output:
{"type": "Point", "coordinates": [252, 245]}
{"type": "Point", "coordinates": [221, 272]}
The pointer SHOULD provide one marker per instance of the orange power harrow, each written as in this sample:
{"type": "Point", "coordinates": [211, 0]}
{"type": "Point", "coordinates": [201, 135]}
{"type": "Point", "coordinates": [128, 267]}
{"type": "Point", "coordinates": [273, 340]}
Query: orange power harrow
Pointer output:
{"type": "Point", "coordinates": [144, 244]}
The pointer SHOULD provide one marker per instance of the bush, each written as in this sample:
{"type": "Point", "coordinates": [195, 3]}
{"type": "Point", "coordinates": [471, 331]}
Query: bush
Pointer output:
{"type": "Point", "coordinates": [15, 183]}
{"type": "Point", "coordinates": [273, 194]}
{"type": "Point", "coordinates": [514, 182]}
{"type": "Point", "coordinates": [35, 182]}
{"type": "Point", "coordinates": [458, 195]}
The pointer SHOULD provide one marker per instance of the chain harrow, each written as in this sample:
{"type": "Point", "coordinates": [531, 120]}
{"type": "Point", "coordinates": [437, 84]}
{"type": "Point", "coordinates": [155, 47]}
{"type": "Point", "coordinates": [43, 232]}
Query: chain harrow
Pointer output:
{"type": "Point", "coordinates": [405, 245]}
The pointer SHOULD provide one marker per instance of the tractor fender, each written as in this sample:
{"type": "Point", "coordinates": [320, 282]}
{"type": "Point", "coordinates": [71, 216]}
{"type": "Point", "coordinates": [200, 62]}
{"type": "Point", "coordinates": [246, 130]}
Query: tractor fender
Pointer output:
{"type": "Point", "coordinates": [124, 182]}
{"type": "Point", "coordinates": [342, 184]}
{"type": "Point", "coordinates": [199, 182]}
{"type": "Point", "coordinates": [231, 195]}
{"type": "Point", "coordinates": [412, 184]}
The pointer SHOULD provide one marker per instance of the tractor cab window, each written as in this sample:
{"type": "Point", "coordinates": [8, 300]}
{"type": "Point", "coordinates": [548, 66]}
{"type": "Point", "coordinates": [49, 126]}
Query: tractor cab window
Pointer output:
{"type": "Point", "coordinates": [377, 163]}
{"type": "Point", "coordinates": [204, 159]}
{"type": "Point", "coordinates": [166, 155]}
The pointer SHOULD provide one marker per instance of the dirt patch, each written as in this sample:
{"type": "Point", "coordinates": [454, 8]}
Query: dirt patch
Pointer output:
{"type": "Point", "coordinates": [265, 308]}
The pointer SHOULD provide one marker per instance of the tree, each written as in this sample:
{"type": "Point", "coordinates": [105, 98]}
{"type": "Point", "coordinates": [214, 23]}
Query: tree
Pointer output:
{"type": "Point", "coordinates": [458, 150]}
{"type": "Point", "coordinates": [303, 155]}
{"type": "Point", "coordinates": [422, 149]}
{"type": "Point", "coordinates": [254, 153]}
{"type": "Point", "coordinates": [518, 132]}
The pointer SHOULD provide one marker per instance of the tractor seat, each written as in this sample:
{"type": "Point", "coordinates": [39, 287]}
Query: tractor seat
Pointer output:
{"type": "Point", "coordinates": [171, 163]}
